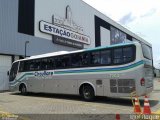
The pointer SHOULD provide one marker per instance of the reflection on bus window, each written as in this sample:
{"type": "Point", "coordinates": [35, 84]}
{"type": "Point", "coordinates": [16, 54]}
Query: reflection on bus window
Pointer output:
{"type": "Point", "coordinates": [95, 58]}
{"type": "Point", "coordinates": [106, 57]}
{"type": "Point", "coordinates": [118, 59]}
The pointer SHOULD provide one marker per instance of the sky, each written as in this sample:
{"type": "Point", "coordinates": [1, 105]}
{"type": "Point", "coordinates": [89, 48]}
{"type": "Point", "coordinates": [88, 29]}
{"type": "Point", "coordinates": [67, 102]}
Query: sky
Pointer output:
{"type": "Point", "coordinates": [142, 17]}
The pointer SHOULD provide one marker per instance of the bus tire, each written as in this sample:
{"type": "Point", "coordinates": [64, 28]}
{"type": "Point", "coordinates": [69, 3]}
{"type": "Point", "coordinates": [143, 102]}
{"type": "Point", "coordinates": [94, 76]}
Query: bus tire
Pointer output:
{"type": "Point", "coordinates": [23, 89]}
{"type": "Point", "coordinates": [88, 93]}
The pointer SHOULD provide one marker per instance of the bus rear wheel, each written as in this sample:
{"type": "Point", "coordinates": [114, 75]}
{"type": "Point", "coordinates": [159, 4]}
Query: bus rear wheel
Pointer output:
{"type": "Point", "coordinates": [88, 93]}
{"type": "Point", "coordinates": [23, 89]}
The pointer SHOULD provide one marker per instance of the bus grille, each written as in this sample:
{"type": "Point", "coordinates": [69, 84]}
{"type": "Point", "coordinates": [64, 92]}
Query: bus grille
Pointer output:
{"type": "Point", "coordinates": [122, 85]}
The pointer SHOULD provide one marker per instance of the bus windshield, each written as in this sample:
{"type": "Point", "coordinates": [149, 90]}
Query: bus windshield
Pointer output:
{"type": "Point", "coordinates": [13, 71]}
{"type": "Point", "coordinates": [147, 51]}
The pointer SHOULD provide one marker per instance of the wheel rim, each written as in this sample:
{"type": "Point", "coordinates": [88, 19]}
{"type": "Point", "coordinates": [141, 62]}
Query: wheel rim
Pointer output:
{"type": "Point", "coordinates": [23, 89]}
{"type": "Point", "coordinates": [87, 93]}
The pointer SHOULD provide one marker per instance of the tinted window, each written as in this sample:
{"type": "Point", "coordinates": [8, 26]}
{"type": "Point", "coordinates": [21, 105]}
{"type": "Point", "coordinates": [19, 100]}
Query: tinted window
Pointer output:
{"type": "Point", "coordinates": [26, 66]}
{"type": "Point", "coordinates": [30, 65]}
{"type": "Point", "coordinates": [13, 71]}
{"type": "Point", "coordinates": [47, 63]}
{"type": "Point", "coordinates": [123, 55]}
{"type": "Point", "coordinates": [127, 54]}
{"type": "Point", "coordinates": [118, 56]}
{"type": "Point", "coordinates": [66, 61]}
{"type": "Point", "coordinates": [113, 56]}
{"type": "Point", "coordinates": [95, 58]}
{"type": "Point", "coordinates": [36, 64]}
{"type": "Point", "coordinates": [62, 62]}
{"type": "Point", "coordinates": [21, 67]}
{"type": "Point", "coordinates": [44, 64]}
{"type": "Point", "coordinates": [58, 62]}
{"type": "Point", "coordinates": [105, 57]}
{"type": "Point", "coordinates": [76, 60]}
{"type": "Point", "coordinates": [147, 51]}
{"type": "Point", "coordinates": [85, 59]}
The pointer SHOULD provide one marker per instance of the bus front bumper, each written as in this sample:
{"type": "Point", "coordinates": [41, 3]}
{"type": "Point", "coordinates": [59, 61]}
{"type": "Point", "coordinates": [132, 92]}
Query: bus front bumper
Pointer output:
{"type": "Point", "coordinates": [13, 88]}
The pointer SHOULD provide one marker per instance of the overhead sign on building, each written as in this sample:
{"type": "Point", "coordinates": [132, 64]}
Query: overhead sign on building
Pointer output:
{"type": "Point", "coordinates": [65, 31]}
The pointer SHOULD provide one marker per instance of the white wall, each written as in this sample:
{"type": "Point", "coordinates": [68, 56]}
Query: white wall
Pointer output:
{"type": "Point", "coordinates": [16, 58]}
{"type": "Point", "coordinates": [5, 65]}
{"type": "Point", "coordinates": [105, 36]}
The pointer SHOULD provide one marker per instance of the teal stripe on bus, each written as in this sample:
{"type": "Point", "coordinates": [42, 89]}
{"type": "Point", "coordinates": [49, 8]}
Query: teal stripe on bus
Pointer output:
{"type": "Point", "coordinates": [100, 69]}
{"type": "Point", "coordinates": [22, 77]}
{"type": "Point", "coordinates": [86, 71]}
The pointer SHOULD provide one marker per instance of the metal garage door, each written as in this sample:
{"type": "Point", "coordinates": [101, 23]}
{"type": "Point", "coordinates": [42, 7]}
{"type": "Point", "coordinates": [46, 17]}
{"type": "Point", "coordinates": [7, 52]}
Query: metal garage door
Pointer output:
{"type": "Point", "coordinates": [5, 64]}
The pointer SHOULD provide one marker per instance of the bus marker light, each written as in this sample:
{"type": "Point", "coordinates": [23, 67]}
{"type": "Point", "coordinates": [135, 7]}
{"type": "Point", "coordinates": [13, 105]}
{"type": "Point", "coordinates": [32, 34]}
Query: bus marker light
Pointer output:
{"type": "Point", "coordinates": [142, 82]}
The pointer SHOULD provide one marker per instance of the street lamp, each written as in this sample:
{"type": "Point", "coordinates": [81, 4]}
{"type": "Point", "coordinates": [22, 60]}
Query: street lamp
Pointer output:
{"type": "Point", "coordinates": [26, 47]}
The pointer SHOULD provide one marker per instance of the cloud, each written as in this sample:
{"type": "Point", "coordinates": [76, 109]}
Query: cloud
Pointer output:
{"type": "Point", "coordinates": [127, 18]}
{"type": "Point", "coordinates": [149, 13]}
{"type": "Point", "coordinates": [157, 64]}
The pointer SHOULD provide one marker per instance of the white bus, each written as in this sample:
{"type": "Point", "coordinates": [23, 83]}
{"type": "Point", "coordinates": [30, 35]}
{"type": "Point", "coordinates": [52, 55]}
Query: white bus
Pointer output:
{"type": "Point", "coordinates": [112, 71]}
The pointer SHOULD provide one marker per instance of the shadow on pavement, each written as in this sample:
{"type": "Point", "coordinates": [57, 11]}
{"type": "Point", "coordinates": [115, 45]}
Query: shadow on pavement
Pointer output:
{"type": "Point", "coordinates": [104, 100]}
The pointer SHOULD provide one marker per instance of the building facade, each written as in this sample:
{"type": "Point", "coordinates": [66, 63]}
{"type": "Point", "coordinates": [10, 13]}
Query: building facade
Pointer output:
{"type": "Point", "coordinates": [32, 27]}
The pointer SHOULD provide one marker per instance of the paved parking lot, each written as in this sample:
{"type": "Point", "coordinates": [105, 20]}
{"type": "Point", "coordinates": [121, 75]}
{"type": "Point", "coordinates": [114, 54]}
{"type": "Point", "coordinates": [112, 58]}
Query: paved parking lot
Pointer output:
{"type": "Point", "coordinates": [64, 104]}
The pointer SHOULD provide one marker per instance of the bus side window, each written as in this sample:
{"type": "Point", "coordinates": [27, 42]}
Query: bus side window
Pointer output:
{"type": "Point", "coordinates": [50, 63]}
{"type": "Point", "coordinates": [106, 57]}
{"type": "Point", "coordinates": [75, 60]}
{"type": "Point", "coordinates": [85, 59]}
{"type": "Point", "coordinates": [65, 61]}
{"type": "Point", "coordinates": [37, 64]}
{"type": "Point", "coordinates": [31, 65]}
{"type": "Point", "coordinates": [95, 58]}
{"type": "Point", "coordinates": [26, 66]}
{"type": "Point", "coordinates": [44, 64]}
{"type": "Point", "coordinates": [127, 54]}
{"type": "Point", "coordinates": [58, 62]}
{"type": "Point", "coordinates": [117, 56]}
{"type": "Point", "coordinates": [21, 67]}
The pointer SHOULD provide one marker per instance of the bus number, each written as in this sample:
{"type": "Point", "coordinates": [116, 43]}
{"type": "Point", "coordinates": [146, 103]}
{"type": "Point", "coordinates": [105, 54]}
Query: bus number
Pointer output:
{"type": "Point", "coordinates": [113, 75]}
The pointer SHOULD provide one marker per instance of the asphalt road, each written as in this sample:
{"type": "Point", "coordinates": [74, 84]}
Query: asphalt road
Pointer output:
{"type": "Point", "coordinates": [49, 106]}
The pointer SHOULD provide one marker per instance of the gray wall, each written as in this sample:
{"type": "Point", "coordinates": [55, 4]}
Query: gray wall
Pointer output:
{"type": "Point", "coordinates": [12, 42]}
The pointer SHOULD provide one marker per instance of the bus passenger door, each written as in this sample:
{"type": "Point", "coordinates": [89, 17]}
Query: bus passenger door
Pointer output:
{"type": "Point", "coordinates": [99, 87]}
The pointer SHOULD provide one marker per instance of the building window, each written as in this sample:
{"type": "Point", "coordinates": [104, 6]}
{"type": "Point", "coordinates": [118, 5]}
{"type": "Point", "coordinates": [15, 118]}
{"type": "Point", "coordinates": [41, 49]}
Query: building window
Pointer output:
{"type": "Point", "coordinates": [117, 36]}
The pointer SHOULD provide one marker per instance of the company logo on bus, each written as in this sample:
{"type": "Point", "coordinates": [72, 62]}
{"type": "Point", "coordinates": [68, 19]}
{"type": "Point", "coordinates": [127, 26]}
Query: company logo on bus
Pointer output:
{"type": "Point", "coordinates": [43, 74]}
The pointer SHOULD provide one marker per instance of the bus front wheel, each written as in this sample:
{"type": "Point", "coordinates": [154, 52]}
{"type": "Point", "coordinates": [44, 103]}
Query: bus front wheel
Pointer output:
{"type": "Point", "coordinates": [23, 89]}
{"type": "Point", "coordinates": [88, 93]}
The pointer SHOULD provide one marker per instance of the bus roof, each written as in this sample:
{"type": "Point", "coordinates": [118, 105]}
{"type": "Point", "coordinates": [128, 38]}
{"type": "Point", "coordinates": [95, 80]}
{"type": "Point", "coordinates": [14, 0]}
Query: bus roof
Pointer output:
{"type": "Point", "coordinates": [68, 52]}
